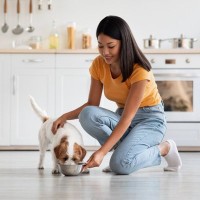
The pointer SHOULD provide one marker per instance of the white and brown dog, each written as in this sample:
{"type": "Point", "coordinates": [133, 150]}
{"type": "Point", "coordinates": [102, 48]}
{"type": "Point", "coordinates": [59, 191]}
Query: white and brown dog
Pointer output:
{"type": "Point", "coordinates": [66, 145]}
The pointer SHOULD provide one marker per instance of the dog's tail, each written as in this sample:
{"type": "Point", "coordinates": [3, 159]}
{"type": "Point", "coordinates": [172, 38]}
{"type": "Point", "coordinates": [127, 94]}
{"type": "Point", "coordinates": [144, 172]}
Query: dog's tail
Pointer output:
{"type": "Point", "coordinates": [41, 113]}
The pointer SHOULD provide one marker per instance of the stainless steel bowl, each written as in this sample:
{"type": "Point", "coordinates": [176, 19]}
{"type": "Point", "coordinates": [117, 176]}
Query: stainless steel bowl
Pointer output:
{"type": "Point", "coordinates": [71, 170]}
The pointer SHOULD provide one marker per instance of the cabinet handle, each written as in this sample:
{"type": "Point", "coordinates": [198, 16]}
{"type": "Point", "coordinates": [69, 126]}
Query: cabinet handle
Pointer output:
{"type": "Point", "coordinates": [89, 60]}
{"type": "Point", "coordinates": [33, 61]}
{"type": "Point", "coordinates": [170, 61]}
{"type": "Point", "coordinates": [14, 85]}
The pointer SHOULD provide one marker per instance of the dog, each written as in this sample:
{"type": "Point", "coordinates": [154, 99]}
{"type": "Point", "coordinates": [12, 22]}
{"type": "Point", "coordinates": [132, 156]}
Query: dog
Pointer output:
{"type": "Point", "coordinates": [66, 145]}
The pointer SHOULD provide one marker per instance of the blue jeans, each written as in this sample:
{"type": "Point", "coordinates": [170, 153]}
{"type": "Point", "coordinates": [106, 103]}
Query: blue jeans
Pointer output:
{"type": "Point", "coordinates": [138, 147]}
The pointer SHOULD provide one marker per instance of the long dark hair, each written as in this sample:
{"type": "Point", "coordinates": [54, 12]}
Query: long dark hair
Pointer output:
{"type": "Point", "coordinates": [130, 54]}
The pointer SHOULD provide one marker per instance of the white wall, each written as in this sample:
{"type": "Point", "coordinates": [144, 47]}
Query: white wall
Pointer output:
{"type": "Point", "coordinates": [162, 18]}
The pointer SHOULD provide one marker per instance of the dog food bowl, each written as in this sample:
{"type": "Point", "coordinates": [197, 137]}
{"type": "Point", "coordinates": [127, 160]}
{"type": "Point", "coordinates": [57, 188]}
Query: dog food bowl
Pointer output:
{"type": "Point", "coordinates": [71, 170]}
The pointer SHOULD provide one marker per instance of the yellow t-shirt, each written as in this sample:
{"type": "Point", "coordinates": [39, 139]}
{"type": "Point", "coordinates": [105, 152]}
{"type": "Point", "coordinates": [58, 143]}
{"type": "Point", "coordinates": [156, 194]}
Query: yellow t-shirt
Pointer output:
{"type": "Point", "coordinates": [117, 91]}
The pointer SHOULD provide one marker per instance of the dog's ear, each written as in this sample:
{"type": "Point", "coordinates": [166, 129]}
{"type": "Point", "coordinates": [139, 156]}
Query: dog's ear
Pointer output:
{"type": "Point", "coordinates": [79, 152]}
{"type": "Point", "coordinates": [61, 149]}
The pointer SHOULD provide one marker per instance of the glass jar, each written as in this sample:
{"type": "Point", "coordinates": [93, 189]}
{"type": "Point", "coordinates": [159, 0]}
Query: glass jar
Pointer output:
{"type": "Point", "coordinates": [35, 42]}
{"type": "Point", "coordinates": [86, 39]}
{"type": "Point", "coordinates": [71, 33]}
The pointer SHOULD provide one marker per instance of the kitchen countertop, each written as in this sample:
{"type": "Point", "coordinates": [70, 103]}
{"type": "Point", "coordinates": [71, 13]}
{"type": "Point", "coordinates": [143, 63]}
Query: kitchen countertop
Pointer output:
{"type": "Point", "coordinates": [82, 51]}
{"type": "Point", "coordinates": [47, 51]}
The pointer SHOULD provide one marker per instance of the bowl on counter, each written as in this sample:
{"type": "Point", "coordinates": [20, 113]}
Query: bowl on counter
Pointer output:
{"type": "Point", "coordinates": [71, 170]}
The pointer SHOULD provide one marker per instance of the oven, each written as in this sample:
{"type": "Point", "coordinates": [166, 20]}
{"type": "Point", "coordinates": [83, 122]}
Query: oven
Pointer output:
{"type": "Point", "coordinates": [178, 80]}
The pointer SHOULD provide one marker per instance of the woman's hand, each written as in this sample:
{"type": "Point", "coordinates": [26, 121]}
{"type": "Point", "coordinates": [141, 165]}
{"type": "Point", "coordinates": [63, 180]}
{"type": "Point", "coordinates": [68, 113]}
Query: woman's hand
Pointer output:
{"type": "Point", "coordinates": [58, 123]}
{"type": "Point", "coordinates": [95, 160]}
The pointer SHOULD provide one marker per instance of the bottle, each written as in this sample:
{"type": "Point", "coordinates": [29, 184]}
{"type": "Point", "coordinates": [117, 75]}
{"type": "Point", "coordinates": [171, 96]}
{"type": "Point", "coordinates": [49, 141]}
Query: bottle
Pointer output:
{"type": "Point", "coordinates": [54, 37]}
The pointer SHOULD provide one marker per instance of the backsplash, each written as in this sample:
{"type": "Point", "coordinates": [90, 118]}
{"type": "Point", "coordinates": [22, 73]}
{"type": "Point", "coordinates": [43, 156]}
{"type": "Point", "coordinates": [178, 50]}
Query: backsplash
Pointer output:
{"type": "Point", "coordinates": [162, 19]}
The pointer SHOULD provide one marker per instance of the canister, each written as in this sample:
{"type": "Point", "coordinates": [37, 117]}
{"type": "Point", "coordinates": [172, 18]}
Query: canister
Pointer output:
{"type": "Point", "coordinates": [86, 39]}
{"type": "Point", "coordinates": [71, 33]}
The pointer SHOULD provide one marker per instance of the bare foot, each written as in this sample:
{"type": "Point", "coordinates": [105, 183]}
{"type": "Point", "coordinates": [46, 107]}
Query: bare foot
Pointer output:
{"type": "Point", "coordinates": [164, 148]}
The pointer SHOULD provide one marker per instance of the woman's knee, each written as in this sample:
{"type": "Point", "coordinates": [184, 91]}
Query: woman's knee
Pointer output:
{"type": "Point", "coordinates": [86, 113]}
{"type": "Point", "coordinates": [88, 116]}
{"type": "Point", "coordinates": [122, 166]}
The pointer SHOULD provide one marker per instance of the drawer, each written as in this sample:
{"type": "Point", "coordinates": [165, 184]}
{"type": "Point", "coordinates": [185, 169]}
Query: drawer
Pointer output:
{"type": "Point", "coordinates": [33, 60]}
{"type": "Point", "coordinates": [74, 60]}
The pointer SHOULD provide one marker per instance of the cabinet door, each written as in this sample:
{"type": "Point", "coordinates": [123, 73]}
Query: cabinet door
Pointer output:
{"type": "Point", "coordinates": [4, 100]}
{"type": "Point", "coordinates": [72, 88]}
{"type": "Point", "coordinates": [40, 84]}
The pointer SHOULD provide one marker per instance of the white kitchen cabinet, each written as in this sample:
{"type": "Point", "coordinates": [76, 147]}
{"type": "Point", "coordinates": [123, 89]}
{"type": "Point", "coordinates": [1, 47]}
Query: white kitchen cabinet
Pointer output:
{"type": "Point", "coordinates": [72, 87]}
{"type": "Point", "coordinates": [59, 83]}
{"type": "Point", "coordinates": [31, 74]}
{"type": "Point", "coordinates": [4, 99]}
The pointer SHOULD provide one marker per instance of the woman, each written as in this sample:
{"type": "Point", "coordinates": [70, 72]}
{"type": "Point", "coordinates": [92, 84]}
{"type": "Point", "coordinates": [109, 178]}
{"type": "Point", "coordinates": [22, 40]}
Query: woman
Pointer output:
{"type": "Point", "coordinates": [136, 129]}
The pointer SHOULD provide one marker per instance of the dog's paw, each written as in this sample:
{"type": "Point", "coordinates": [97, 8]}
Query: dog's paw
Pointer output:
{"type": "Point", "coordinates": [107, 170]}
{"type": "Point", "coordinates": [40, 165]}
{"type": "Point", "coordinates": [40, 168]}
{"type": "Point", "coordinates": [55, 171]}
{"type": "Point", "coordinates": [87, 171]}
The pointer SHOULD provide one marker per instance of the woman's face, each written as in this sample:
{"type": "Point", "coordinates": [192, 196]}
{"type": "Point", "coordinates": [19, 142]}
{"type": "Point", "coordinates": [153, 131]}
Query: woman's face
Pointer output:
{"type": "Point", "coordinates": [109, 48]}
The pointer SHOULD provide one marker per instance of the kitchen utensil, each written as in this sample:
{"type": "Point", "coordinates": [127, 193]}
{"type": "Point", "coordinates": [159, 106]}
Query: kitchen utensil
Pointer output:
{"type": "Point", "coordinates": [18, 30]}
{"type": "Point", "coordinates": [5, 25]}
{"type": "Point", "coordinates": [71, 170]}
{"type": "Point", "coordinates": [49, 4]}
{"type": "Point", "coordinates": [183, 42]}
{"type": "Point", "coordinates": [152, 43]}
{"type": "Point", "coordinates": [30, 28]}
{"type": "Point", "coordinates": [39, 4]}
